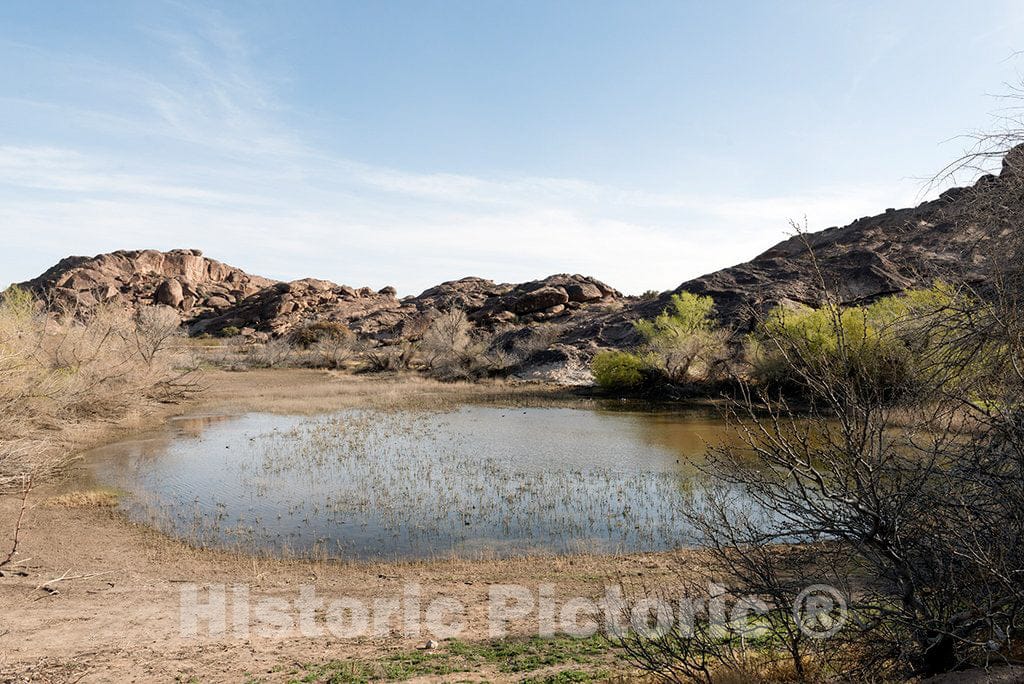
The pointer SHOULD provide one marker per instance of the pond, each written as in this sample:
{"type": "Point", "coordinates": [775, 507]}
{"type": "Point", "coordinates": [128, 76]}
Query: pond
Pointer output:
{"type": "Point", "coordinates": [477, 481]}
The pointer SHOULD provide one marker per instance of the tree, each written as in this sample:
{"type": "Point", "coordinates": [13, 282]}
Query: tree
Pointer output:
{"type": "Point", "coordinates": [683, 342]}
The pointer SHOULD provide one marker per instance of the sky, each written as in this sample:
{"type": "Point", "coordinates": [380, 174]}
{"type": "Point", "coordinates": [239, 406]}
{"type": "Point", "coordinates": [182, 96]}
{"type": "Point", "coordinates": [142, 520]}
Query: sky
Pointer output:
{"type": "Point", "coordinates": [406, 143]}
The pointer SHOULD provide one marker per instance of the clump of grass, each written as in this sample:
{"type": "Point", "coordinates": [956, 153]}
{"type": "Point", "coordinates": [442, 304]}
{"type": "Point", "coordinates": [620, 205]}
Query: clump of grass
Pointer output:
{"type": "Point", "coordinates": [508, 656]}
{"type": "Point", "coordinates": [92, 498]}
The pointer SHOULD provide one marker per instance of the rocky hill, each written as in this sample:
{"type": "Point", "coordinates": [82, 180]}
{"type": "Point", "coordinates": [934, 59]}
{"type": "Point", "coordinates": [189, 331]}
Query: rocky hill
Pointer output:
{"type": "Point", "coordinates": [183, 279]}
{"type": "Point", "coordinates": [214, 298]}
{"type": "Point", "coordinates": [874, 256]}
{"type": "Point", "coordinates": [871, 257]}
{"type": "Point", "coordinates": [280, 308]}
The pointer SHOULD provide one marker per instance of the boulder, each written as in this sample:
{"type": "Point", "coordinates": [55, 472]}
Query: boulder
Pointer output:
{"type": "Point", "coordinates": [217, 302]}
{"type": "Point", "coordinates": [540, 299]}
{"type": "Point", "coordinates": [170, 293]}
{"type": "Point", "coordinates": [583, 292]}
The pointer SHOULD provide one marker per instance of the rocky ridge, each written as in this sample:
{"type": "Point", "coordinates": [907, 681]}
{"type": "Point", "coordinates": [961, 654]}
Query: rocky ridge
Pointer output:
{"type": "Point", "coordinates": [182, 279]}
{"type": "Point", "coordinates": [869, 258]}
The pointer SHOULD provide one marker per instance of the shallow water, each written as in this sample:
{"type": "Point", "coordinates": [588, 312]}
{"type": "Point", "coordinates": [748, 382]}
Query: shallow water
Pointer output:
{"type": "Point", "coordinates": [366, 484]}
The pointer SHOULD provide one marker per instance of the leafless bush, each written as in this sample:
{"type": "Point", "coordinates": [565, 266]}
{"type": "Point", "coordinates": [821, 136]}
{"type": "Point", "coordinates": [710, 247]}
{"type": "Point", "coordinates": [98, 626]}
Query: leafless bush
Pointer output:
{"type": "Point", "coordinates": [155, 328]}
{"type": "Point", "coordinates": [333, 353]}
{"type": "Point", "coordinates": [55, 372]}
{"type": "Point", "coordinates": [395, 357]}
{"type": "Point", "coordinates": [274, 353]}
{"type": "Point", "coordinates": [511, 349]}
{"type": "Point", "coordinates": [452, 349]}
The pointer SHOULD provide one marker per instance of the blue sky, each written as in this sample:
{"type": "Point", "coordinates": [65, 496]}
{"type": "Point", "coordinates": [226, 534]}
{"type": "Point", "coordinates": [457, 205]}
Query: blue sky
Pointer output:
{"type": "Point", "coordinates": [407, 143]}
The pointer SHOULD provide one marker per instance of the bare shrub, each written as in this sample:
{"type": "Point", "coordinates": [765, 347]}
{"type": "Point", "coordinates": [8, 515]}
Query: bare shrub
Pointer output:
{"type": "Point", "coordinates": [310, 334]}
{"type": "Point", "coordinates": [452, 349]}
{"type": "Point", "coordinates": [332, 352]}
{"type": "Point", "coordinates": [55, 372]}
{"type": "Point", "coordinates": [274, 353]}
{"type": "Point", "coordinates": [155, 328]}
{"type": "Point", "coordinates": [385, 358]}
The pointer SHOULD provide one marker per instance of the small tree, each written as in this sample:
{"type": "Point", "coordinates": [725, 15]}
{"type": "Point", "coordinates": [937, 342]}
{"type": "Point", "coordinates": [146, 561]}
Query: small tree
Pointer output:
{"type": "Point", "coordinates": [451, 348]}
{"type": "Point", "coordinates": [683, 342]}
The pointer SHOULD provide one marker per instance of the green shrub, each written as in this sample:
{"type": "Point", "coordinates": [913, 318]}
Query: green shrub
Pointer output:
{"type": "Point", "coordinates": [617, 370]}
{"type": "Point", "coordinates": [883, 347]}
{"type": "Point", "coordinates": [230, 331]}
{"type": "Point", "coordinates": [319, 331]}
{"type": "Point", "coordinates": [683, 343]}
{"type": "Point", "coordinates": [17, 303]}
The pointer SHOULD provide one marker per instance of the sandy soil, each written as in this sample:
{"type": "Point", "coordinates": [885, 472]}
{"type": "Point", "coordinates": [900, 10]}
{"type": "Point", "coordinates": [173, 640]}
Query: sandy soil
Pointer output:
{"type": "Point", "coordinates": [95, 598]}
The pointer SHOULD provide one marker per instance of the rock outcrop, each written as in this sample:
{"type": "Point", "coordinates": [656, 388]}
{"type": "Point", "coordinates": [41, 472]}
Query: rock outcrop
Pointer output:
{"type": "Point", "coordinates": [183, 279]}
{"type": "Point", "coordinates": [280, 308]}
{"type": "Point", "coordinates": [869, 258]}
{"type": "Point", "coordinates": [945, 238]}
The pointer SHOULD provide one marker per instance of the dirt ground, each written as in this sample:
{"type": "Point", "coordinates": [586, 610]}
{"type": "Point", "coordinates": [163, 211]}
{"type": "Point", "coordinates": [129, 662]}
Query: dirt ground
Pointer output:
{"type": "Point", "coordinates": [96, 598]}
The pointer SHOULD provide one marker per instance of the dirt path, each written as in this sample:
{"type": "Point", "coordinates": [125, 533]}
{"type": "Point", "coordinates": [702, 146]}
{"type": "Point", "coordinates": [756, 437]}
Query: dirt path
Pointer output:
{"type": "Point", "coordinates": [117, 614]}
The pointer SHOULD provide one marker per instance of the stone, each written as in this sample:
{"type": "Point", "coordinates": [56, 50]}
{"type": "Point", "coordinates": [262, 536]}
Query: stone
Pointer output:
{"type": "Point", "coordinates": [540, 299]}
{"type": "Point", "coordinates": [169, 293]}
{"type": "Point", "coordinates": [583, 292]}
{"type": "Point", "coordinates": [217, 303]}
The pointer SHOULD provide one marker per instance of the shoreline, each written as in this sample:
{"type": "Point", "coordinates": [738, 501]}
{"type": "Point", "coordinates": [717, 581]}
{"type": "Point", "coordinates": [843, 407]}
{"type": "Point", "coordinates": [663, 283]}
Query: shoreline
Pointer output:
{"type": "Point", "coordinates": [117, 606]}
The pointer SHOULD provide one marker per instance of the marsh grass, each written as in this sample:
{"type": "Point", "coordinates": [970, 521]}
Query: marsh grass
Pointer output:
{"type": "Point", "coordinates": [91, 498]}
{"type": "Point", "coordinates": [529, 659]}
{"type": "Point", "coordinates": [392, 483]}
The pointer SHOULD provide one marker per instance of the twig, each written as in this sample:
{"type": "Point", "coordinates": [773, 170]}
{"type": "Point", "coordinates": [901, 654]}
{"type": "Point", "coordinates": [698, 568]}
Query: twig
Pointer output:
{"type": "Point", "coordinates": [45, 586]}
{"type": "Point", "coordinates": [26, 487]}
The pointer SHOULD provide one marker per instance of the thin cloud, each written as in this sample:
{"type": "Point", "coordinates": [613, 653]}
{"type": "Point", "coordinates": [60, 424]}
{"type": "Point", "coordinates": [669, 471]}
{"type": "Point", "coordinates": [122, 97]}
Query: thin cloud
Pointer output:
{"type": "Point", "coordinates": [249, 189]}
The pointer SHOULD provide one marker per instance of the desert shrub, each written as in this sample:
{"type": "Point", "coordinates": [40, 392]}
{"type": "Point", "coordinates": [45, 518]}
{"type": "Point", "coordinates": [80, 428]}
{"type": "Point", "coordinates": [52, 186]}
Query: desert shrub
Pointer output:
{"type": "Point", "coordinates": [512, 349]}
{"type": "Point", "coordinates": [230, 331]}
{"type": "Point", "coordinates": [618, 370]}
{"type": "Point", "coordinates": [886, 347]}
{"type": "Point", "coordinates": [452, 349]}
{"type": "Point", "coordinates": [683, 343]}
{"type": "Point", "coordinates": [389, 358]}
{"type": "Point", "coordinates": [53, 373]}
{"type": "Point", "coordinates": [310, 334]}
{"type": "Point", "coordinates": [274, 353]}
{"type": "Point", "coordinates": [332, 352]}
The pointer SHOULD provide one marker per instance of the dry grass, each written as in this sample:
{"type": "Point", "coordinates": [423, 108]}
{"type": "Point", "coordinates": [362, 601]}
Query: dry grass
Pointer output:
{"type": "Point", "coordinates": [91, 498]}
{"type": "Point", "coordinates": [56, 373]}
{"type": "Point", "coordinates": [308, 392]}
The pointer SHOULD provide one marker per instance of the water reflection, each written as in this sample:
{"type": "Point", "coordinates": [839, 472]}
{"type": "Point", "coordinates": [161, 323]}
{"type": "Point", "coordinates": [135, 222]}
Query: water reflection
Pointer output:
{"type": "Point", "coordinates": [373, 484]}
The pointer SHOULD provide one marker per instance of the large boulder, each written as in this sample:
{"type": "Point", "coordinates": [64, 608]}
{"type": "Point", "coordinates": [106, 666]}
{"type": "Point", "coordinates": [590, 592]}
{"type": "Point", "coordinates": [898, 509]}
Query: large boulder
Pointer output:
{"type": "Point", "coordinates": [170, 293]}
{"type": "Point", "coordinates": [539, 300]}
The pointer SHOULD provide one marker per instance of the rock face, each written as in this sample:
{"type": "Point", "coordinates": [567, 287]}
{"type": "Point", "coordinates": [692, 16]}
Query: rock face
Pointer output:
{"type": "Point", "coordinates": [562, 319]}
{"type": "Point", "coordinates": [872, 257]}
{"type": "Point", "coordinates": [183, 279]}
{"type": "Point", "coordinates": [279, 309]}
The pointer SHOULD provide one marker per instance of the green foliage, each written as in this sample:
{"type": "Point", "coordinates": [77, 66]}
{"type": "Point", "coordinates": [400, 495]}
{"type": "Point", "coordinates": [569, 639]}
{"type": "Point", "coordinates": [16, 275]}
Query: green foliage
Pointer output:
{"type": "Point", "coordinates": [882, 347]}
{"type": "Point", "coordinates": [509, 656]}
{"type": "Point", "coordinates": [319, 331]}
{"type": "Point", "coordinates": [683, 343]}
{"type": "Point", "coordinates": [17, 304]}
{"type": "Point", "coordinates": [618, 370]}
{"type": "Point", "coordinates": [230, 331]}
{"type": "Point", "coordinates": [686, 314]}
